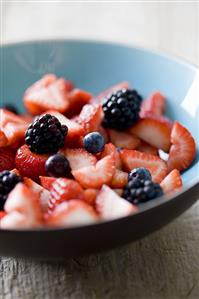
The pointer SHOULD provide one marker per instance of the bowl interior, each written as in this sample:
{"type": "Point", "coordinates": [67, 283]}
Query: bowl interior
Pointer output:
{"type": "Point", "coordinates": [95, 66]}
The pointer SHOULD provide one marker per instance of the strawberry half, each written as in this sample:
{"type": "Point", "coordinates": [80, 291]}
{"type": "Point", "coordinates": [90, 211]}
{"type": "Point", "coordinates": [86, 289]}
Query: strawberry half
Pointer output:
{"type": "Point", "coordinates": [100, 97]}
{"type": "Point", "coordinates": [77, 99]}
{"type": "Point", "coordinates": [64, 189]}
{"type": "Point", "coordinates": [172, 182]}
{"type": "Point", "coordinates": [123, 140]}
{"type": "Point", "coordinates": [12, 126]}
{"type": "Point", "coordinates": [147, 148]}
{"type": "Point", "coordinates": [24, 201]}
{"type": "Point", "coordinates": [75, 130]}
{"type": "Point", "coordinates": [47, 93]}
{"type": "Point", "coordinates": [154, 104]}
{"type": "Point", "coordinates": [97, 175]}
{"type": "Point", "coordinates": [79, 158]}
{"type": "Point", "coordinates": [30, 164]}
{"type": "Point", "coordinates": [110, 149]}
{"type": "Point", "coordinates": [110, 205]}
{"type": "Point", "coordinates": [133, 159]}
{"type": "Point", "coordinates": [120, 179]}
{"type": "Point", "coordinates": [7, 159]}
{"type": "Point", "coordinates": [47, 181]}
{"type": "Point", "coordinates": [183, 148]}
{"type": "Point", "coordinates": [72, 213]}
{"type": "Point", "coordinates": [90, 117]}
{"type": "Point", "coordinates": [153, 131]}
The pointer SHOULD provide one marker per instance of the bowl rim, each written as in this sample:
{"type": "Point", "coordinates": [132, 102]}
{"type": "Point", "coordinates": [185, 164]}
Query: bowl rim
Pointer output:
{"type": "Point", "coordinates": [154, 204]}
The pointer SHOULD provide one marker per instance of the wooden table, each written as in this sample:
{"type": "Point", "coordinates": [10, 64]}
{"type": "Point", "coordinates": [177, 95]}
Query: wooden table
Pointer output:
{"type": "Point", "coordinates": [162, 265]}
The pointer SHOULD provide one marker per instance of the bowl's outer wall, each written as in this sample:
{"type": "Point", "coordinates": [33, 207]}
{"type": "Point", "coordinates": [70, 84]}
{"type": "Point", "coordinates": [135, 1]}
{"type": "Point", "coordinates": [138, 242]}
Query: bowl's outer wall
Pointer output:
{"type": "Point", "coordinates": [94, 67]}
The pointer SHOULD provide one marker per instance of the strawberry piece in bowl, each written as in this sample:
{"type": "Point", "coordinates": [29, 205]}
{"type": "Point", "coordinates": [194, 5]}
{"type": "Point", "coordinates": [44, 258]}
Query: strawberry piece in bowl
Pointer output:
{"type": "Point", "coordinates": [77, 99]}
{"type": "Point", "coordinates": [124, 139]}
{"type": "Point", "coordinates": [134, 159]}
{"type": "Point", "coordinates": [172, 182]}
{"type": "Point", "coordinates": [7, 158]}
{"type": "Point", "coordinates": [30, 164]}
{"type": "Point", "coordinates": [72, 213]}
{"type": "Point", "coordinates": [90, 117]}
{"type": "Point", "coordinates": [79, 158]}
{"type": "Point", "coordinates": [47, 181]}
{"type": "Point", "coordinates": [154, 104]}
{"type": "Point", "coordinates": [110, 205]}
{"type": "Point", "coordinates": [46, 94]}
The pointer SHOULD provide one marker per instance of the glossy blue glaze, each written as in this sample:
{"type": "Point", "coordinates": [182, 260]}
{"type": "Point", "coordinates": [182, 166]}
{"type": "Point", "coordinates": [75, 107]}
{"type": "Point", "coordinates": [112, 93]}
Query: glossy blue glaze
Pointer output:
{"type": "Point", "coordinates": [95, 66]}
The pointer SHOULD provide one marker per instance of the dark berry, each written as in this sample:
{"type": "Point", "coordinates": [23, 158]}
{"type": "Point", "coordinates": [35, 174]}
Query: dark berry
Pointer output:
{"type": "Point", "coordinates": [57, 166]}
{"type": "Point", "coordinates": [46, 135]}
{"type": "Point", "coordinates": [121, 109]}
{"type": "Point", "coordinates": [8, 180]}
{"type": "Point", "coordinates": [139, 191]}
{"type": "Point", "coordinates": [94, 142]}
{"type": "Point", "coordinates": [11, 108]}
{"type": "Point", "coordinates": [139, 173]}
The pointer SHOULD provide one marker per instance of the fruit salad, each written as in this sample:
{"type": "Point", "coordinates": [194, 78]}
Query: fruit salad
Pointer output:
{"type": "Point", "coordinates": [76, 159]}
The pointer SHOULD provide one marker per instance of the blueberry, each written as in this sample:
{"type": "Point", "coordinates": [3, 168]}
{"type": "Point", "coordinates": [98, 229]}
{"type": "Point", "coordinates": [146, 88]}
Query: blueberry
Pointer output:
{"type": "Point", "coordinates": [57, 166]}
{"type": "Point", "coordinates": [139, 173]}
{"type": "Point", "coordinates": [94, 142]}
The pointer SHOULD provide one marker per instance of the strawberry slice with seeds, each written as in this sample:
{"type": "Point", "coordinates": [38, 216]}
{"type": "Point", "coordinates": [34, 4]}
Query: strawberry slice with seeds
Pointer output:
{"type": "Point", "coordinates": [153, 131]}
{"type": "Point", "coordinates": [64, 189]}
{"type": "Point", "coordinates": [75, 130]}
{"type": "Point", "coordinates": [12, 126]}
{"type": "Point", "coordinates": [99, 98]}
{"type": "Point", "coordinates": [123, 139]}
{"type": "Point", "coordinates": [147, 148]}
{"type": "Point", "coordinates": [97, 175]}
{"type": "Point", "coordinates": [47, 181]}
{"type": "Point", "coordinates": [47, 93]}
{"type": "Point", "coordinates": [111, 206]}
{"type": "Point", "coordinates": [79, 158]}
{"type": "Point", "coordinates": [120, 179]}
{"type": "Point", "coordinates": [134, 159]}
{"type": "Point", "coordinates": [72, 213]}
{"type": "Point", "coordinates": [90, 117]}
{"type": "Point", "coordinates": [77, 99]}
{"type": "Point", "coordinates": [90, 196]}
{"type": "Point", "coordinates": [110, 149]}
{"type": "Point", "coordinates": [183, 148]}
{"type": "Point", "coordinates": [154, 104]}
{"type": "Point", "coordinates": [24, 201]}
{"type": "Point", "coordinates": [172, 182]}
{"type": "Point", "coordinates": [7, 159]}
{"type": "Point", "coordinates": [30, 164]}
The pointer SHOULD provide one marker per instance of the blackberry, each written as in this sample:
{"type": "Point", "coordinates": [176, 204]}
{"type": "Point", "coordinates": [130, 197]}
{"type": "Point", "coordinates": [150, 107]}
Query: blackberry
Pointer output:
{"type": "Point", "coordinates": [46, 135]}
{"type": "Point", "coordinates": [140, 173]}
{"type": "Point", "coordinates": [139, 191]}
{"type": "Point", "coordinates": [8, 180]}
{"type": "Point", "coordinates": [121, 109]}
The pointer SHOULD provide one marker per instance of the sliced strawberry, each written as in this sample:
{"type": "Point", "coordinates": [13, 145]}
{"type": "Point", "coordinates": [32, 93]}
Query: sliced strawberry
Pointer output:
{"type": "Point", "coordinates": [2, 214]}
{"type": "Point", "coordinates": [79, 158]}
{"type": "Point", "coordinates": [153, 131]}
{"type": "Point", "coordinates": [100, 97]}
{"type": "Point", "coordinates": [15, 220]}
{"type": "Point", "coordinates": [90, 196]}
{"type": "Point", "coordinates": [110, 205]}
{"type": "Point", "coordinates": [147, 148]}
{"type": "Point", "coordinates": [120, 179]}
{"type": "Point", "coordinates": [72, 213]}
{"type": "Point", "coordinates": [97, 175]}
{"type": "Point", "coordinates": [172, 181]}
{"type": "Point", "coordinates": [75, 130]}
{"type": "Point", "coordinates": [183, 148]}
{"type": "Point", "coordinates": [90, 117]}
{"type": "Point", "coordinates": [133, 159]}
{"type": "Point", "coordinates": [30, 164]}
{"type": "Point", "coordinates": [154, 104]}
{"type": "Point", "coordinates": [26, 202]}
{"type": "Point", "coordinates": [104, 133]}
{"type": "Point", "coordinates": [47, 93]}
{"type": "Point", "coordinates": [47, 181]}
{"type": "Point", "coordinates": [12, 126]}
{"type": "Point", "coordinates": [64, 189]}
{"type": "Point", "coordinates": [109, 149]}
{"type": "Point", "coordinates": [123, 139]}
{"type": "Point", "coordinates": [7, 158]}
{"type": "Point", "coordinates": [77, 99]}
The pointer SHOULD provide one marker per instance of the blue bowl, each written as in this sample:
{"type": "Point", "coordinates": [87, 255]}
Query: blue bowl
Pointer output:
{"type": "Point", "coordinates": [94, 66]}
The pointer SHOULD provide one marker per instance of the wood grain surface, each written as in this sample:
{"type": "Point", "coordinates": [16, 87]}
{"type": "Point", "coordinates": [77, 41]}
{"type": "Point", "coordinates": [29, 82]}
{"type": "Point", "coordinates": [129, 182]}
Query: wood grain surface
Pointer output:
{"type": "Point", "coordinates": [164, 264]}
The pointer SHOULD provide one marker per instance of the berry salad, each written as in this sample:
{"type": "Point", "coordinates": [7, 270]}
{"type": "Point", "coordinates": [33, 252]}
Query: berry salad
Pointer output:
{"type": "Point", "coordinates": [76, 159]}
